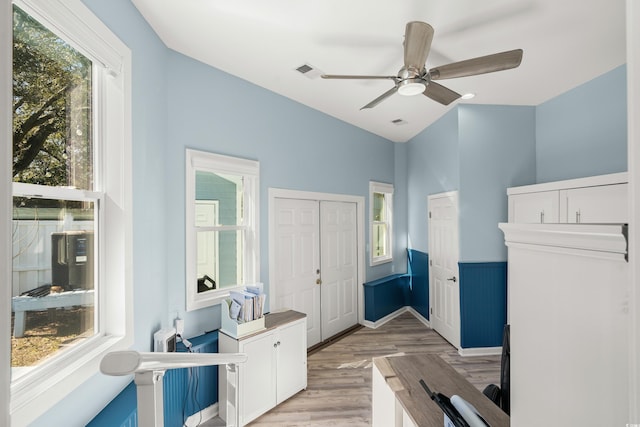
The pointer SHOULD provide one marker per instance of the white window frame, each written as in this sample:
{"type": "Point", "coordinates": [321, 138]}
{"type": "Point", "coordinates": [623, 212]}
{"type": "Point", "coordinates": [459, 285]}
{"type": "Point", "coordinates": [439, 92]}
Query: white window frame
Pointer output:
{"type": "Point", "coordinates": [217, 163]}
{"type": "Point", "coordinates": [387, 190]}
{"type": "Point", "coordinates": [38, 391]}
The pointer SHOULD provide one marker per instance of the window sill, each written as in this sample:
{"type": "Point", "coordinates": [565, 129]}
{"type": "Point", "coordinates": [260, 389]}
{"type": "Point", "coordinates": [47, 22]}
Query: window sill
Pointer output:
{"type": "Point", "coordinates": [36, 392]}
{"type": "Point", "coordinates": [379, 261]}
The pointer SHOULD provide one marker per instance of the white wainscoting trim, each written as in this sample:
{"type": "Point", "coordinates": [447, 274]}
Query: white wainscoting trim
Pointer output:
{"type": "Point", "coordinates": [480, 351]}
{"type": "Point", "coordinates": [200, 417]}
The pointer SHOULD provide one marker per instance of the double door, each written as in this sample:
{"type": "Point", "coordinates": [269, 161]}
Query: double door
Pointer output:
{"type": "Point", "coordinates": [315, 250]}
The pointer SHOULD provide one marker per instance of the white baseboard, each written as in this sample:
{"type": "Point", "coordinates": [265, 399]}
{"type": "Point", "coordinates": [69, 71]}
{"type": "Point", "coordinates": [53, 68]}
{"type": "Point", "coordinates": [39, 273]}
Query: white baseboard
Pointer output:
{"type": "Point", "coordinates": [389, 317]}
{"type": "Point", "coordinates": [480, 351]}
{"type": "Point", "coordinates": [385, 319]}
{"type": "Point", "coordinates": [200, 417]}
{"type": "Point", "coordinates": [419, 316]}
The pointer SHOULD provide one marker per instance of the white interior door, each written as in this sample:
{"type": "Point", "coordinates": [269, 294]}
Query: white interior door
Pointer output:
{"type": "Point", "coordinates": [444, 297]}
{"type": "Point", "coordinates": [297, 261]}
{"type": "Point", "coordinates": [339, 270]}
{"type": "Point", "coordinates": [316, 268]}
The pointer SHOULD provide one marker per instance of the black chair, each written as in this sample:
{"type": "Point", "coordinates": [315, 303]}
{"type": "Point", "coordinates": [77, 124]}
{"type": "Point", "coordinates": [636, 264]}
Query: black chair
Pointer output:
{"type": "Point", "coordinates": [501, 395]}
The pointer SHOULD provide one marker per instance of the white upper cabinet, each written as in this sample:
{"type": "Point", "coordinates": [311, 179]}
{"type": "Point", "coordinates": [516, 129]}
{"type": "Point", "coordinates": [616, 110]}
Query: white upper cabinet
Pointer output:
{"type": "Point", "coordinates": [594, 200]}
{"type": "Point", "coordinates": [538, 207]}
{"type": "Point", "coordinates": [594, 205]}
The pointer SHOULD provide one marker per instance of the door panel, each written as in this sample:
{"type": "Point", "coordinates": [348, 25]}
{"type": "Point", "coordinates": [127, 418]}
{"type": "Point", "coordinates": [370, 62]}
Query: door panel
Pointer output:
{"type": "Point", "coordinates": [339, 267]}
{"type": "Point", "coordinates": [298, 261]}
{"type": "Point", "coordinates": [443, 255]}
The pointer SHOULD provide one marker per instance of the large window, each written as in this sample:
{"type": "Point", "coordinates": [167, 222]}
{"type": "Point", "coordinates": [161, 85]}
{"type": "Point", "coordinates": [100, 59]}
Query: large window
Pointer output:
{"type": "Point", "coordinates": [71, 200]}
{"type": "Point", "coordinates": [221, 227]}
{"type": "Point", "coordinates": [381, 217]}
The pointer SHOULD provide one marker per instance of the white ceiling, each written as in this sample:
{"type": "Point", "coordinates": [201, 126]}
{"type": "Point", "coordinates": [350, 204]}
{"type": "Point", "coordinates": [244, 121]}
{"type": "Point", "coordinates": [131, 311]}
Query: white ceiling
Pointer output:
{"type": "Point", "coordinates": [565, 43]}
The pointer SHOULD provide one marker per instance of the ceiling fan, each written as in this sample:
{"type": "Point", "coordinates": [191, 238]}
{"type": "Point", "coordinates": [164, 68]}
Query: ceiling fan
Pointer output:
{"type": "Point", "coordinates": [413, 78]}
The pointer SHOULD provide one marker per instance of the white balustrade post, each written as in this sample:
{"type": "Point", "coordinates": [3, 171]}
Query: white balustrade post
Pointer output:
{"type": "Point", "coordinates": [150, 398]}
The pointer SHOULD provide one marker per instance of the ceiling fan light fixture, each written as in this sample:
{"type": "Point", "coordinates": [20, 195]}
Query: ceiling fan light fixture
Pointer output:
{"type": "Point", "coordinates": [411, 87]}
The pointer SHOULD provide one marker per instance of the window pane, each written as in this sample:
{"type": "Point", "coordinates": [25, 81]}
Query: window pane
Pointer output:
{"type": "Point", "coordinates": [207, 260]}
{"type": "Point", "coordinates": [379, 211]}
{"type": "Point", "coordinates": [379, 240]}
{"type": "Point", "coordinates": [226, 190]}
{"type": "Point", "coordinates": [219, 256]}
{"type": "Point", "coordinates": [51, 108]}
{"type": "Point", "coordinates": [231, 256]}
{"type": "Point", "coordinates": [54, 261]}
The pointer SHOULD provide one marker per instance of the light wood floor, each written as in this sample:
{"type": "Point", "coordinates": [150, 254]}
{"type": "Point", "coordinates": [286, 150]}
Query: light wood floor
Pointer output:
{"type": "Point", "coordinates": [339, 376]}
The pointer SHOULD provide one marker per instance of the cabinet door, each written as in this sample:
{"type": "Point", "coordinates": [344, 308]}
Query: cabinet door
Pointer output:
{"type": "Point", "coordinates": [534, 208]}
{"type": "Point", "coordinates": [383, 407]}
{"type": "Point", "coordinates": [598, 205]}
{"type": "Point", "coordinates": [292, 359]}
{"type": "Point", "coordinates": [257, 376]}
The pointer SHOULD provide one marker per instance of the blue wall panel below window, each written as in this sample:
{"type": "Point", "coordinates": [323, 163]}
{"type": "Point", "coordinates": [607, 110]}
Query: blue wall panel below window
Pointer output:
{"type": "Point", "coordinates": [185, 393]}
{"type": "Point", "coordinates": [384, 296]}
{"type": "Point", "coordinates": [483, 303]}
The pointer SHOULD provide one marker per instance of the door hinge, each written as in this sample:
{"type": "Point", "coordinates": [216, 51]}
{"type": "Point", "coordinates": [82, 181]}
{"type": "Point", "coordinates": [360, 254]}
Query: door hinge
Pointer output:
{"type": "Point", "coordinates": [431, 310]}
{"type": "Point", "coordinates": [431, 263]}
{"type": "Point", "coordinates": [429, 214]}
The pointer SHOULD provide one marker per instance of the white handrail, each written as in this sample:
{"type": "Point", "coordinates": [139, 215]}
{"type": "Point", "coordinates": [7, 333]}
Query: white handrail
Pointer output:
{"type": "Point", "coordinates": [149, 369]}
{"type": "Point", "coordinates": [129, 362]}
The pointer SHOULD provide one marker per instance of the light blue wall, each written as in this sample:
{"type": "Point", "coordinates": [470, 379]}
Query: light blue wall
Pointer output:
{"type": "Point", "coordinates": [400, 205]}
{"type": "Point", "coordinates": [433, 167]}
{"type": "Point", "coordinates": [584, 132]}
{"type": "Point", "coordinates": [497, 151]}
{"type": "Point", "coordinates": [298, 148]}
{"type": "Point", "coordinates": [480, 151]}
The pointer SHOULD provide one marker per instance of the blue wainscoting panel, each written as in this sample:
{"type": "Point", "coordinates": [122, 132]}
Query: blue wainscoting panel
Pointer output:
{"type": "Point", "coordinates": [120, 412]}
{"type": "Point", "coordinates": [384, 296]}
{"type": "Point", "coordinates": [185, 392]}
{"type": "Point", "coordinates": [483, 303]}
{"type": "Point", "coordinates": [419, 272]}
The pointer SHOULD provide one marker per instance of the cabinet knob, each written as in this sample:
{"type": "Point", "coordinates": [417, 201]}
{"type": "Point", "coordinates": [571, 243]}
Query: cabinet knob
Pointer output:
{"type": "Point", "coordinates": [275, 344]}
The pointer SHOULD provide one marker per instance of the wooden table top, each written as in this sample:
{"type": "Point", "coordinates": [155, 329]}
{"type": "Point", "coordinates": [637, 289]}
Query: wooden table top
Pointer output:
{"type": "Point", "coordinates": [403, 374]}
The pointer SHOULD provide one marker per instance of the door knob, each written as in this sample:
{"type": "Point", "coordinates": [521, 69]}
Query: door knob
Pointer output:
{"type": "Point", "coordinates": [318, 282]}
{"type": "Point", "coordinates": [453, 279]}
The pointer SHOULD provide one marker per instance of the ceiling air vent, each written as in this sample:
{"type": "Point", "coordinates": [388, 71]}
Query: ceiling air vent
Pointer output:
{"type": "Point", "coordinates": [309, 71]}
{"type": "Point", "coordinates": [398, 122]}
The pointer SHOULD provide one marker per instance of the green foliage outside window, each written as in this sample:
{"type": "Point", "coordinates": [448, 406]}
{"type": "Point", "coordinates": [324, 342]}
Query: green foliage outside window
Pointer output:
{"type": "Point", "coordinates": [51, 108]}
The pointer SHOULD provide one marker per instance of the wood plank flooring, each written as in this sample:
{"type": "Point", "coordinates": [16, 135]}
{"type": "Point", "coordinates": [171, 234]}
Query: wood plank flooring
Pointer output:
{"type": "Point", "coordinates": [339, 376]}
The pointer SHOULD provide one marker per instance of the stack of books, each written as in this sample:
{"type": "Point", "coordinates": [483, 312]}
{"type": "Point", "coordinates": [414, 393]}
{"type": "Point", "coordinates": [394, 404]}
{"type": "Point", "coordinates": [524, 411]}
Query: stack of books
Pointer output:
{"type": "Point", "coordinates": [247, 305]}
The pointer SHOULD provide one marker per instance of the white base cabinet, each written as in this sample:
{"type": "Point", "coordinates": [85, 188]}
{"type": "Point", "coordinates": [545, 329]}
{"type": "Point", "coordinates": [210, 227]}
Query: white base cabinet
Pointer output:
{"type": "Point", "coordinates": [276, 367]}
{"type": "Point", "coordinates": [592, 200]}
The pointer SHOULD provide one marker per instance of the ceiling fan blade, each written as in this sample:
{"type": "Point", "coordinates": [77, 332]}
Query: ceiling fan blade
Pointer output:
{"type": "Point", "coordinates": [356, 77]}
{"type": "Point", "coordinates": [481, 65]}
{"type": "Point", "coordinates": [441, 94]}
{"type": "Point", "coordinates": [381, 98]}
{"type": "Point", "coordinates": [417, 43]}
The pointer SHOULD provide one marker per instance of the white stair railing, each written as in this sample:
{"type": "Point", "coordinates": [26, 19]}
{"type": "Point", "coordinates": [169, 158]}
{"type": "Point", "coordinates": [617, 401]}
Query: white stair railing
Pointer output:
{"type": "Point", "coordinates": [149, 369]}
